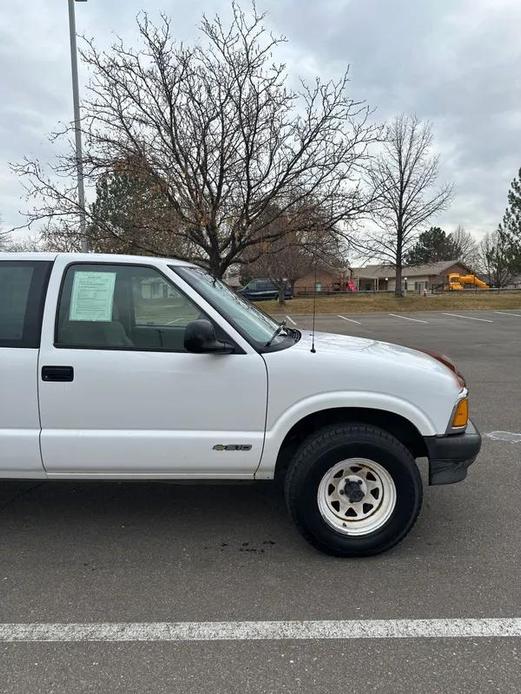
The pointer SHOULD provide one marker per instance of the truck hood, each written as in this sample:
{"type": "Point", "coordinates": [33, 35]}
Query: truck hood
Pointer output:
{"type": "Point", "coordinates": [331, 345]}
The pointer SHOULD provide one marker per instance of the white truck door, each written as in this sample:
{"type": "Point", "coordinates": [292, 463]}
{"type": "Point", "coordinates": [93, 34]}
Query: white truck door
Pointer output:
{"type": "Point", "coordinates": [119, 395]}
{"type": "Point", "coordinates": [22, 294]}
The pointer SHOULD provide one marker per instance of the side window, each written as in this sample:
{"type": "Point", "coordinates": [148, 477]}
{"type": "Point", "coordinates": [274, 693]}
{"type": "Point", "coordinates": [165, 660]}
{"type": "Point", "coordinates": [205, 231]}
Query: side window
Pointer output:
{"type": "Point", "coordinates": [158, 302]}
{"type": "Point", "coordinates": [127, 307]}
{"type": "Point", "coordinates": [23, 285]}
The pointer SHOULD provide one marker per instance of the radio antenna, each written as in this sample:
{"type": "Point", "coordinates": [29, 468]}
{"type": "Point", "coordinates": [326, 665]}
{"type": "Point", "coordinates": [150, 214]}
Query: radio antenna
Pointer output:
{"type": "Point", "coordinates": [314, 304]}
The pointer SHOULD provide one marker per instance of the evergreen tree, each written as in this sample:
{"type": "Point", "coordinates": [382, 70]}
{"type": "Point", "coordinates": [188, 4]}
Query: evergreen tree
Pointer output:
{"type": "Point", "coordinates": [432, 245]}
{"type": "Point", "coordinates": [129, 213]}
{"type": "Point", "coordinates": [510, 227]}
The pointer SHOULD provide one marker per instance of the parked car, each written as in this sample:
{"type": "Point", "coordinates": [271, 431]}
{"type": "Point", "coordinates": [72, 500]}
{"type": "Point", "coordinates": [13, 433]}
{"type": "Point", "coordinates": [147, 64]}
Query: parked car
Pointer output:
{"type": "Point", "coordinates": [263, 289]}
{"type": "Point", "coordinates": [122, 367]}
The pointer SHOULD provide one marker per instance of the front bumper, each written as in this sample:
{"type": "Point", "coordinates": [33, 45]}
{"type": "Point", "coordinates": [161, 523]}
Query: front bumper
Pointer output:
{"type": "Point", "coordinates": [452, 454]}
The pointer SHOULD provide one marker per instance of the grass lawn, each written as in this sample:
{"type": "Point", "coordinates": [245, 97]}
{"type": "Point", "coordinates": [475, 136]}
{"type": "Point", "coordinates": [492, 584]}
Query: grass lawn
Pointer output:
{"type": "Point", "coordinates": [367, 303]}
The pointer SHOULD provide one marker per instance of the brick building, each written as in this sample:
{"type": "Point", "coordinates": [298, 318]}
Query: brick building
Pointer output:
{"type": "Point", "coordinates": [414, 277]}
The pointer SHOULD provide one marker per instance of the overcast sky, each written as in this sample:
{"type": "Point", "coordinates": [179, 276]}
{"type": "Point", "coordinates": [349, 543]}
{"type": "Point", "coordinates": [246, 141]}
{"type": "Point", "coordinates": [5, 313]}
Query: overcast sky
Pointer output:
{"type": "Point", "coordinates": [456, 63]}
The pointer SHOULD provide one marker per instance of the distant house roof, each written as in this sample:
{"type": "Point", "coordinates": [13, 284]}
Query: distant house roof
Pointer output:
{"type": "Point", "coordinates": [382, 271]}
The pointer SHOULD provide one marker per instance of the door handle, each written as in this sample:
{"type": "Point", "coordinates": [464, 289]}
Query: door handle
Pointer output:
{"type": "Point", "coordinates": [60, 374]}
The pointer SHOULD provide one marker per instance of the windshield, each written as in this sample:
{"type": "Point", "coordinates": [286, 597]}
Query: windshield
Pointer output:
{"type": "Point", "coordinates": [255, 325]}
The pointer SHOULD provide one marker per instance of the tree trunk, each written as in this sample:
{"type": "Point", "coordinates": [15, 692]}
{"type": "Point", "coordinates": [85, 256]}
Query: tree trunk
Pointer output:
{"type": "Point", "coordinates": [398, 283]}
{"type": "Point", "coordinates": [281, 299]}
{"type": "Point", "coordinates": [215, 266]}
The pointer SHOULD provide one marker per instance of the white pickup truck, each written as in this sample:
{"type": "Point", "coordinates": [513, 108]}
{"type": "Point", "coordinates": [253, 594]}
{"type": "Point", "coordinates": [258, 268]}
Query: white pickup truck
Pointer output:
{"type": "Point", "coordinates": [126, 367]}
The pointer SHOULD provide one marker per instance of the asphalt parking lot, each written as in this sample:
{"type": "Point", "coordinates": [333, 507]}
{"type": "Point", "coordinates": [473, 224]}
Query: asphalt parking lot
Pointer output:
{"type": "Point", "coordinates": [146, 553]}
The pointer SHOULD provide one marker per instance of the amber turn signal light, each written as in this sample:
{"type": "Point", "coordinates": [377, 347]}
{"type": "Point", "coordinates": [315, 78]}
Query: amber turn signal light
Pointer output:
{"type": "Point", "coordinates": [461, 414]}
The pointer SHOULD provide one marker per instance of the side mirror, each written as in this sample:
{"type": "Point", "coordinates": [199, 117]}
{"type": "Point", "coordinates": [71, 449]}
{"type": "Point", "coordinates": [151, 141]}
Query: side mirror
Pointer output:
{"type": "Point", "coordinates": [200, 338]}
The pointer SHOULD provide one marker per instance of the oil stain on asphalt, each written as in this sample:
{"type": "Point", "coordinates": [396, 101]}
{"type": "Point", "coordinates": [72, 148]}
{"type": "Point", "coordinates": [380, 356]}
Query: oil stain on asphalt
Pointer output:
{"type": "Point", "coordinates": [245, 546]}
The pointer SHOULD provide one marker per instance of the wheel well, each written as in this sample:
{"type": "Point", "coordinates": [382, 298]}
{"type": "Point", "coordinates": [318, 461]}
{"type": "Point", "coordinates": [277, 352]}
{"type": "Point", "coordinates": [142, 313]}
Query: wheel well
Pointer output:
{"type": "Point", "coordinates": [393, 423]}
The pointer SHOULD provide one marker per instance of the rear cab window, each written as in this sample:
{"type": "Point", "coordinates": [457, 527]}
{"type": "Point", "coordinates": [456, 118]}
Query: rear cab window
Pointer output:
{"type": "Point", "coordinates": [23, 286]}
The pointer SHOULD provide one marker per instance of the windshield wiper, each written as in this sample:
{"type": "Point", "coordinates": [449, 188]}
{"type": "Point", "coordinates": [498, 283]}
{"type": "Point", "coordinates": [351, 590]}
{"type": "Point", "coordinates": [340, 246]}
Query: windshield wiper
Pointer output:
{"type": "Point", "coordinates": [280, 327]}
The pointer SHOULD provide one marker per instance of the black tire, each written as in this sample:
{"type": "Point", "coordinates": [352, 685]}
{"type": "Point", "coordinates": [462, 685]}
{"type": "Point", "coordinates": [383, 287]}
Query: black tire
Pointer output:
{"type": "Point", "coordinates": [324, 449]}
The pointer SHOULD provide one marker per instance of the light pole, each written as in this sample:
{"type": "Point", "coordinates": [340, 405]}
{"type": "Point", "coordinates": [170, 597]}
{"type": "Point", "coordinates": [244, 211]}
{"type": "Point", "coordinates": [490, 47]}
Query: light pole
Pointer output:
{"type": "Point", "coordinates": [77, 125]}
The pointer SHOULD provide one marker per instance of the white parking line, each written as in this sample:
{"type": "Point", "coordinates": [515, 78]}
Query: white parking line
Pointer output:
{"type": "Point", "coordinates": [291, 320]}
{"type": "Point", "coordinates": [457, 315]}
{"type": "Point", "coordinates": [416, 320]}
{"type": "Point", "coordinates": [506, 313]}
{"type": "Point", "coordinates": [509, 436]}
{"type": "Point", "coordinates": [246, 631]}
{"type": "Point", "coordinates": [351, 320]}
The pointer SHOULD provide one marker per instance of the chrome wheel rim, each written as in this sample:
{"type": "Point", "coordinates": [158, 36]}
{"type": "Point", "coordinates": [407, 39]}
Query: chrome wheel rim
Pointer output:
{"type": "Point", "coordinates": [356, 496]}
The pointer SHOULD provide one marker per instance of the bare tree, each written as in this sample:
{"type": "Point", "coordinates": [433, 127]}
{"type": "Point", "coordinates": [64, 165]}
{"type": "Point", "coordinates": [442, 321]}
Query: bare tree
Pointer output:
{"type": "Point", "coordinates": [4, 237]}
{"type": "Point", "coordinates": [403, 177]}
{"type": "Point", "coordinates": [128, 206]}
{"type": "Point", "coordinates": [283, 264]}
{"type": "Point", "coordinates": [60, 236]}
{"type": "Point", "coordinates": [465, 247]}
{"type": "Point", "coordinates": [220, 134]}
{"type": "Point", "coordinates": [295, 253]}
{"type": "Point", "coordinates": [495, 255]}
{"type": "Point", "coordinates": [11, 244]}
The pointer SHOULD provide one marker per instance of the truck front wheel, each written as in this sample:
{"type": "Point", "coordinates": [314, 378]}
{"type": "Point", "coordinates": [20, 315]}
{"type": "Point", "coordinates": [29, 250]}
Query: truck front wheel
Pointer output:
{"type": "Point", "coordinates": [353, 490]}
